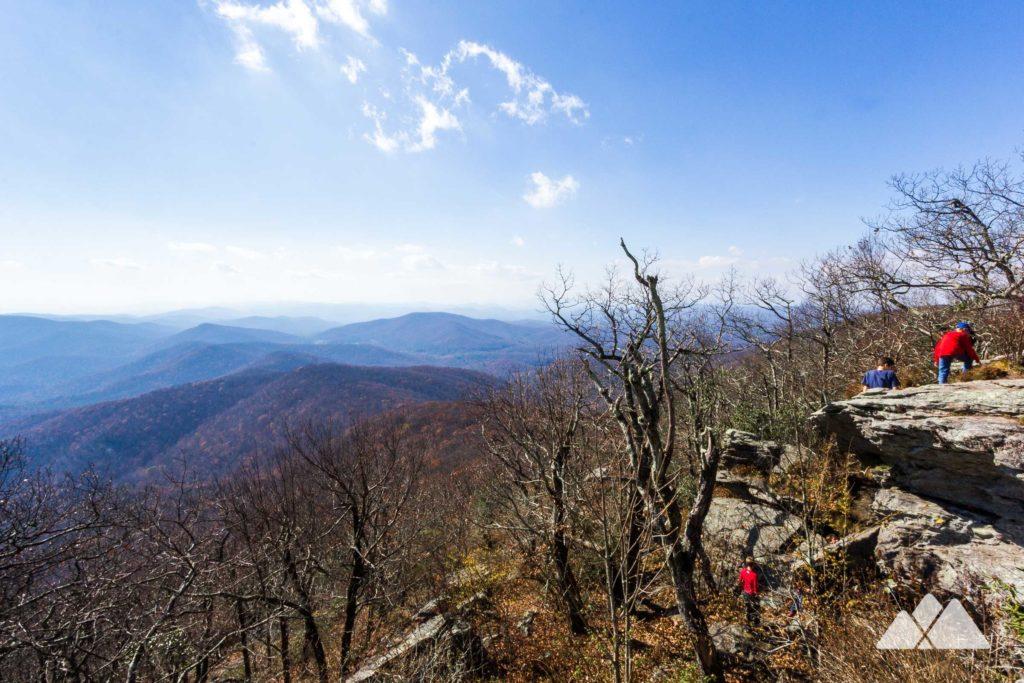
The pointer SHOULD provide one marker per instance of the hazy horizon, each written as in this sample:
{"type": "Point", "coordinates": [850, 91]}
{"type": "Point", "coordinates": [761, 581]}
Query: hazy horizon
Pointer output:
{"type": "Point", "coordinates": [342, 313]}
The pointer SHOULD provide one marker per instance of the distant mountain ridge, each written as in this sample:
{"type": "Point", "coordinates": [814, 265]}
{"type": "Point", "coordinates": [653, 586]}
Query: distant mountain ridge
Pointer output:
{"type": "Point", "coordinates": [213, 333]}
{"type": "Point", "coordinates": [48, 365]}
{"type": "Point", "coordinates": [218, 422]}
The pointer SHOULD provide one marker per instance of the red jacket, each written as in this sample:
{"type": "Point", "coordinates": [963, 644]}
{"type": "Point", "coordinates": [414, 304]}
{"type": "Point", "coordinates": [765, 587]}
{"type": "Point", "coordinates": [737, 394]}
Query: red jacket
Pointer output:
{"type": "Point", "coordinates": [956, 343]}
{"type": "Point", "coordinates": [748, 579]}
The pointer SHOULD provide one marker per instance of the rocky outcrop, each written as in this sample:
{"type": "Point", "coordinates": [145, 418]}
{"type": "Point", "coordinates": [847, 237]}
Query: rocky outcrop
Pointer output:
{"type": "Point", "coordinates": [748, 528]}
{"type": "Point", "coordinates": [946, 549]}
{"type": "Point", "coordinates": [961, 443]}
{"type": "Point", "coordinates": [950, 506]}
{"type": "Point", "coordinates": [442, 645]}
{"type": "Point", "coordinates": [746, 517]}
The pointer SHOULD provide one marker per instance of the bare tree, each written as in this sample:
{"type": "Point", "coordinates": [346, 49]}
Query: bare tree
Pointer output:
{"type": "Point", "coordinates": [633, 340]}
{"type": "Point", "coordinates": [533, 428]}
{"type": "Point", "coordinates": [959, 232]}
{"type": "Point", "coordinates": [371, 480]}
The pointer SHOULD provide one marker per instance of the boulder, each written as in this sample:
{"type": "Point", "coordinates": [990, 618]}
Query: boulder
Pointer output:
{"type": "Point", "coordinates": [732, 639]}
{"type": "Point", "coordinates": [750, 528]}
{"type": "Point", "coordinates": [947, 549]}
{"type": "Point", "coordinates": [743, 449]}
{"type": "Point", "coordinates": [857, 550]}
{"type": "Point", "coordinates": [959, 443]}
{"type": "Point", "coordinates": [442, 646]}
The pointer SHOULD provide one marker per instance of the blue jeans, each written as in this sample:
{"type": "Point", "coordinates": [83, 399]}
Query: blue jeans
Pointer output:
{"type": "Point", "coordinates": [946, 361]}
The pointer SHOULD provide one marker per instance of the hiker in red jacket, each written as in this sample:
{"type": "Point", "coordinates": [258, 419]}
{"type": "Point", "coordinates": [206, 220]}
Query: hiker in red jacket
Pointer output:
{"type": "Point", "coordinates": [751, 597]}
{"type": "Point", "coordinates": [957, 344]}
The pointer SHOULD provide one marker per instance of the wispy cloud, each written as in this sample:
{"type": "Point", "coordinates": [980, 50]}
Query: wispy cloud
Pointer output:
{"type": "Point", "coordinates": [353, 254]}
{"type": "Point", "coordinates": [431, 96]}
{"type": "Point", "coordinates": [434, 97]}
{"type": "Point", "coordinates": [518, 241]}
{"type": "Point", "coordinates": [194, 247]}
{"type": "Point", "coordinates": [299, 19]}
{"type": "Point", "coordinates": [378, 138]}
{"type": "Point", "coordinates": [410, 248]}
{"type": "Point", "coordinates": [245, 252]}
{"type": "Point", "coordinates": [116, 263]}
{"type": "Point", "coordinates": [733, 257]}
{"type": "Point", "coordinates": [533, 96]}
{"type": "Point", "coordinates": [349, 13]}
{"type": "Point", "coordinates": [546, 192]}
{"type": "Point", "coordinates": [421, 262]}
{"type": "Point", "coordinates": [351, 69]}
{"type": "Point", "coordinates": [227, 268]}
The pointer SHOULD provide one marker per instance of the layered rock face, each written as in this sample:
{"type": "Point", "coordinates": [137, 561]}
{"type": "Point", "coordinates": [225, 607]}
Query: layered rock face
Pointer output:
{"type": "Point", "coordinates": [746, 518]}
{"type": "Point", "coordinates": [951, 505]}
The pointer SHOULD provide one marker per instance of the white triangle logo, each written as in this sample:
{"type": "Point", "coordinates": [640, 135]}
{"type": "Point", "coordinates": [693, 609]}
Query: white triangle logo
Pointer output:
{"type": "Point", "coordinates": [903, 634]}
{"type": "Point", "coordinates": [955, 630]}
{"type": "Point", "coordinates": [932, 627]}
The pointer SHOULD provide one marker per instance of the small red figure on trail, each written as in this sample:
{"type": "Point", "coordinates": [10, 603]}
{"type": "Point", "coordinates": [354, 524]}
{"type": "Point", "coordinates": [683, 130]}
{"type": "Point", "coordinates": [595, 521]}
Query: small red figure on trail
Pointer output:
{"type": "Point", "coordinates": [751, 599]}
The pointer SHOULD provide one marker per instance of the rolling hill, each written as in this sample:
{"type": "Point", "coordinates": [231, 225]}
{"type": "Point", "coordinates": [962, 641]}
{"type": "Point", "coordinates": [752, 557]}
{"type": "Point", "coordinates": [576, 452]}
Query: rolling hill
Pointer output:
{"type": "Point", "coordinates": [210, 333]}
{"type": "Point", "coordinates": [51, 365]}
{"type": "Point", "coordinates": [39, 355]}
{"type": "Point", "coordinates": [457, 340]}
{"type": "Point", "coordinates": [216, 423]}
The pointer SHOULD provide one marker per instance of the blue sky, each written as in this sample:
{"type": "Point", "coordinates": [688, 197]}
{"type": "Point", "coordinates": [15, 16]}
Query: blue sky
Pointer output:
{"type": "Point", "coordinates": [164, 154]}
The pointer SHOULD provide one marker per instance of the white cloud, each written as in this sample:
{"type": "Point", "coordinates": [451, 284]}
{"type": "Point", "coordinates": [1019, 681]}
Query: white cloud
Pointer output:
{"type": "Point", "coordinates": [379, 139]}
{"type": "Point", "coordinates": [248, 52]}
{"type": "Point", "coordinates": [349, 13]}
{"type": "Point", "coordinates": [422, 137]}
{"type": "Point", "coordinates": [11, 264]}
{"type": "Point", "coordinates": [312, 274]}
{"type": "Point", "coordinates": [225, 268]}
{"type": "Point", "coordinates": [352, 68]}
{"type": "Point", "coordinates": [533, 96]}
{"type": "Point", "coordinates": [436, 97]}
{"type": "Point", "coordinates": [116, 263]}
{"type": "Point", "coordinates": [716, 261]}
{"type": "Point", "coordinates": [194, 247]}
{"type": "Point", "coordinates": [547, 193]}
{"type": "Point", "coordinates": [299, 19]}
{"type": "Point", "coordinates": [353, 254]}
{"type": "Point", "coordinates": [294, 17]}
{"type": "Point", "coordinates": [733, 258]}
{"type": "Point", "coordinates": [420, 262]}
{"type": "Point", "coordinates": [432, 120]}
{"type": "Point", "coordinates": [504, 270]}
{"type": "Point", "coordinates": [245, 252]}
{"type": "Point", "coordinates": [409, 248]}
{"type": "Point", "coordinates": [518, 241]}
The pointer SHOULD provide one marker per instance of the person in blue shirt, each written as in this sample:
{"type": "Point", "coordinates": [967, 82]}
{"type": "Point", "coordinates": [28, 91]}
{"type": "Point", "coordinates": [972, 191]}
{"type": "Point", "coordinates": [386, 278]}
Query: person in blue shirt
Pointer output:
{"type": "Point", "coordinates": [882, 377]}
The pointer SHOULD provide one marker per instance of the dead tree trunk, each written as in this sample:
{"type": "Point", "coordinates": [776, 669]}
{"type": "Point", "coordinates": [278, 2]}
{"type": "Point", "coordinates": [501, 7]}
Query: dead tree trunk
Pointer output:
{"type": "Point", "coordinates": [286, 660]}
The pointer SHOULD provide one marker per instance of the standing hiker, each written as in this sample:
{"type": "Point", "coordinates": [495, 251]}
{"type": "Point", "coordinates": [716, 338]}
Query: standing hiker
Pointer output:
{"type": "Point", "coordinates": [882, 377]}
{"type": "Point", "coordinates": [957, 344]}
{"type": "Point", "coordinates": [751, 598]}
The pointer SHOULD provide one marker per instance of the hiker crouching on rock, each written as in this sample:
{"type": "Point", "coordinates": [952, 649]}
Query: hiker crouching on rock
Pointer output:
{"type": "Point", "coordinates": [882, 377]}
{"type": "Point", "coordinates": [957, 344]}
{"type": "Point", "coordinates": [751, 598]}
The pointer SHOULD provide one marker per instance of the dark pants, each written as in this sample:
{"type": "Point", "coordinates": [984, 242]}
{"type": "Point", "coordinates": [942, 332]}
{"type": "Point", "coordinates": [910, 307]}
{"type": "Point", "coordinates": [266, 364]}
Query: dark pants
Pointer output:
{"type": "Point", "coordinates": [945, 362]}
{"type": "Point", "coordinates": [752, 603]}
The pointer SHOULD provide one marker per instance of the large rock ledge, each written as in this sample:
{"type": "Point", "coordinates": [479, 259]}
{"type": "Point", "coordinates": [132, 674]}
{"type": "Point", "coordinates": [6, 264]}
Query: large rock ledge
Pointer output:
{"type": "Point", "coordinates": [960, 443]}
{"type": "Point", "coordinates": [951, 510]}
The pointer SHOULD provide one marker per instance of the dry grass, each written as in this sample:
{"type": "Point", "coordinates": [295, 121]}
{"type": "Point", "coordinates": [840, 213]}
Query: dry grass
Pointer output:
{"type": "Point", "coordinates": [847, 653]}
{"type": "Point", "coordinates": [998, 369]}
